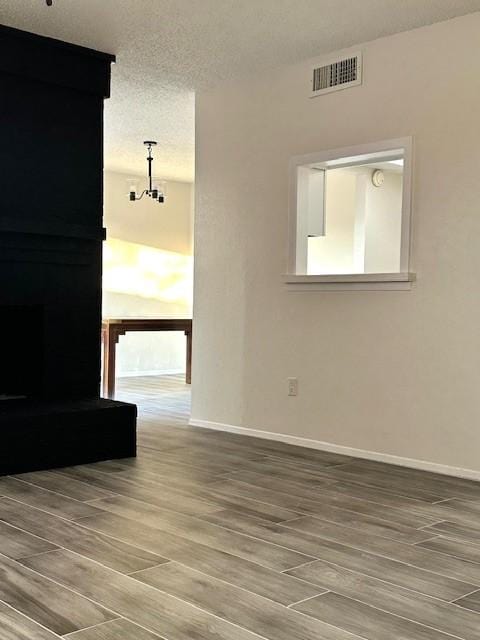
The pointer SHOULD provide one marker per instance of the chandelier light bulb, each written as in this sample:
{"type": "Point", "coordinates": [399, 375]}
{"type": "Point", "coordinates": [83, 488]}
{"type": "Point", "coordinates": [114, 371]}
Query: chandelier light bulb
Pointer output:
{"type": "Point", "coordinates": [155, 188]}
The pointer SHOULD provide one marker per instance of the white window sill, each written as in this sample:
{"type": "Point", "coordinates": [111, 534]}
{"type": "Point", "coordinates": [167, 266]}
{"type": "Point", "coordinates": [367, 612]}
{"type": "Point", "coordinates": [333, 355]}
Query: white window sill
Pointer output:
{"type": "Point", "coordinates": [362, 281]}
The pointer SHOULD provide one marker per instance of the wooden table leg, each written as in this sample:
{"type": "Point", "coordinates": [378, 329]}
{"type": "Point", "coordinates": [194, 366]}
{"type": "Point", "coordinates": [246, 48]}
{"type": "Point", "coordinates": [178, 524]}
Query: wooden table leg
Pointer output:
{"type": "Point", "coordinates": [104, 362]}
{"type": "Point", "coordinates": [110, 339]}
{"type": "Point", "coordinates": [188, 376]}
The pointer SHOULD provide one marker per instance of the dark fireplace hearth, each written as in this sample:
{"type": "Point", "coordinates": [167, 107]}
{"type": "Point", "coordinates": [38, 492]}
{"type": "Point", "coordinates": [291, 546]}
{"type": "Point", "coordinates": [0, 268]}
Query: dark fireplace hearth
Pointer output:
{"type": "Point", "coordinates": [51, 130]}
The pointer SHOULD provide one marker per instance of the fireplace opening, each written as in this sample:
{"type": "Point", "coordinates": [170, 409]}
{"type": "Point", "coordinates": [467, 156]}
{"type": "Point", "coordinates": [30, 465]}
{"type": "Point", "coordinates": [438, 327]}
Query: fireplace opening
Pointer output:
{"type": "Point", "coordinates": [21, 352]}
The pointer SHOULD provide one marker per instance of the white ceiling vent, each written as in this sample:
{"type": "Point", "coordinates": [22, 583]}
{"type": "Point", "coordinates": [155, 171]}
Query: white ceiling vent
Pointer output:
{"type": "Point", "coordinates": [339, 73]}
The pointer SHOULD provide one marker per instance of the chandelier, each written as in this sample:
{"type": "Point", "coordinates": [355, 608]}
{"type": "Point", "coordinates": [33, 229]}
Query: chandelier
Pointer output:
{"type": "Point", "coordinates": [155, 189]}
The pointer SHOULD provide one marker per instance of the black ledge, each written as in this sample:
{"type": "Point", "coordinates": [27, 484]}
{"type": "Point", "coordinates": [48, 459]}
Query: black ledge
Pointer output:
{"type": "Point", "coordinates": [55, 62]}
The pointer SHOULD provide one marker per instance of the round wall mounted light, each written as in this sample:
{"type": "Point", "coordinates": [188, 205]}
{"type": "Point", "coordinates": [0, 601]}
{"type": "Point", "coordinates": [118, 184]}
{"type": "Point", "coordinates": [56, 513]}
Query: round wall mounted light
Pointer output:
{"type": "Point", "coordinates": [378, 178]}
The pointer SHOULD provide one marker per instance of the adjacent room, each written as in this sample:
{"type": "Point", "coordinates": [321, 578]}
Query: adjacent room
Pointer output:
{"type": "Point", "coordinates": [238, 298]}
{"type": "Point", "coordinates": [147, 289]}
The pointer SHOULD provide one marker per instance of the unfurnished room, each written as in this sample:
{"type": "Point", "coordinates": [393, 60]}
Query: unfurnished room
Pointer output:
{"type": "Point", "coordinates": [239, 319]}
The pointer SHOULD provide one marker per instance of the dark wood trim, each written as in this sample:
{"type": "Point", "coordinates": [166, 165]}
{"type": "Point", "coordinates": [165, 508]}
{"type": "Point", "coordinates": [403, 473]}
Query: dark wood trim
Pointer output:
{"type": "Point", "coordinates": [113, 328]}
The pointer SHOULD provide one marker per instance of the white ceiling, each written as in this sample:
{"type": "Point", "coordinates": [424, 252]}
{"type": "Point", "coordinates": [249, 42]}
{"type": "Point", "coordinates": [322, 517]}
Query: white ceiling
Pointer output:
{"type": "Point", "coordinates": [167, 49]}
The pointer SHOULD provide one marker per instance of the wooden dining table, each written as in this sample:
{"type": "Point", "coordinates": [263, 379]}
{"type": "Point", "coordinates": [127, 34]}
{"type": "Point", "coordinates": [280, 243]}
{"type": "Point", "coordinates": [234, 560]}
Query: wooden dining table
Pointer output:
{"type": "Point", "coordinates": [113, 328]}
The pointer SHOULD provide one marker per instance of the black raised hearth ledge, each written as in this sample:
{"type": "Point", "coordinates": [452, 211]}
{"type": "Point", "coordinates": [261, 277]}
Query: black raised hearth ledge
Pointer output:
{"type": "Point", "coordinates": [51, 232]}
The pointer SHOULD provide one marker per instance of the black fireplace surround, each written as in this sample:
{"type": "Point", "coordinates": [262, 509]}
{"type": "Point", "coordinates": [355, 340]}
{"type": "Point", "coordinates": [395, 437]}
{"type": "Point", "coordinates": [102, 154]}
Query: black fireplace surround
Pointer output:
{"type": "Point", "coordinates": [51, 233]}
{"type": "Point", "coordinates": [21, 363]}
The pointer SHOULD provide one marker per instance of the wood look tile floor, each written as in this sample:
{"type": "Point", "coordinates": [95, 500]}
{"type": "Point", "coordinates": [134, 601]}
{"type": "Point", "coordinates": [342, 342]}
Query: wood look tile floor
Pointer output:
{"type": "Point", "coordinates": [214, 536]}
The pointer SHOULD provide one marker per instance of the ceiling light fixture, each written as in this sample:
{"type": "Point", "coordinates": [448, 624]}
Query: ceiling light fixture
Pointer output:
{"type": "Point", "coordinates": [155, 189]}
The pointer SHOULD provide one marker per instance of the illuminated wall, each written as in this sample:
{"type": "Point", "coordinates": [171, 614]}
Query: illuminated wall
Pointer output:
{"type": "Point", "coordinates": [148, 272]}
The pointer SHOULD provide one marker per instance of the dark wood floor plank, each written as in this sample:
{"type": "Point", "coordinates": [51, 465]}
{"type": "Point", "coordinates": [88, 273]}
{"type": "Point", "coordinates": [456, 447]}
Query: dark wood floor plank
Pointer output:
{"type": "Point", "coordinates": [274, 468]}
{"type": "Point", "coordinates": [221, 500]}
{"type": "Point", "coordinates": [413, 555]}
{"type": "Point", "coordinates": [344, 547]}
{"type": "Point", "coordinates": [453, 486]}
{"type": "Point", "coordinates": [142, 466]}
{"type": "Point", "coordinates": [204, 491]}
{"type": "Point", "coordinates": [229, 487]}
{"type": "Point", "coordinates": [459, 511]}
{"type": "Point", "coordinates": [18, 544]}
{"type": "Point", "coordinates": [400, 510]}
{"type": "Point", "coordinates": [314, 491]}
{"type": "Point", "coordinates": [208, 463]}
{"type": "Point", "coordinates": [309, 525]}
{"type": "Point", "coordinates": [66, 486]}
{"type": "Point", "coordinates": [243, 546]}
{"type": "Point", "coordinates": [471, 602]}
{"type": "Point", "coordinates": [456, 548]}
{"type": "Point", "coordinates": [247, 506]}
{"type": "Point", "coordinates": [303, 464]}
{"type": "Point", "coordinates": [386, 548]}
{"type": "Point", "coordinates": [242, 573]}
{"type": "Point", "coordinates": [325, 496]}
{"type": "Point", "coordinates": [127, 558]}
{"type": "Point", "coordinates": [329, 496]}
{"type": "Point", "coordinates": [51, 605]}
{"type": "Point", "coordinates": [362, 523]}
{"type": "Point", "coordinates": [381, 481]}
{"type": "Point", "coordinates": [144, 477]}
{"type": "Point", "coordinates": [202, 443]}
{"type": "Point", "coordinates": [169, 439]}
{"type": "Point", "coordinates": [120, 629]}
{"type": "Point", "coordinates": [45, 500]}
{"type": "Point", "coordinates": [158, 612]}
{"type": "Point", "coordinates": [378, 495]}
{"type": "Point", "coordinates": [16, 626]}
{"type": "Point", "coordinates": [409, 482]}
{"type": "Point", "coordinates": [263, 617]}
{"type": "Point", "coordinates": [406, 603]}
{"type": "Point", "coordinates": [272, 447]}
{"type": "Point", "coordinates": [104, 549]}
{"type": "Point", "coordinates": [152, 460]}
{"type": "Point", "coordinates": [194, 454]}
{"type": "Point", "coordinates": [469, 533]}
{"type": "Point", "coordinates": [366, 621]}
{"type": "Point", "coordinates": [170, 498]}
{"type": "Point", "coordinates": [236, 570]}
{"type": "Point", "coordinates": [298, 489]}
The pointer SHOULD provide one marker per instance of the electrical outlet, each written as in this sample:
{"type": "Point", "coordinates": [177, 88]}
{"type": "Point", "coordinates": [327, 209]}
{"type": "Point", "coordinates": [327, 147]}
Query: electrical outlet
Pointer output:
{"type": "Point", "coordinates": [292, 386]}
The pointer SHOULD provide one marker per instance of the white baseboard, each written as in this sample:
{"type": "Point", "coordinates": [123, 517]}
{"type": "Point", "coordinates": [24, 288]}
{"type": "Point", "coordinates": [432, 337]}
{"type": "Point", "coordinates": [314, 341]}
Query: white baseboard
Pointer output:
{"type": "Point", "coordinates": [388, 458]}
{"type": "Point", "coordinates": [149, 372]}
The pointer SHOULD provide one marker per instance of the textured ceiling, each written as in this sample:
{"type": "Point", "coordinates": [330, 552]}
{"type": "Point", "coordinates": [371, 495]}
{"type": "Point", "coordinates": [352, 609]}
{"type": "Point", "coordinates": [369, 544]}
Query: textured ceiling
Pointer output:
{"type": "Point", "coordinates": [167, 49]}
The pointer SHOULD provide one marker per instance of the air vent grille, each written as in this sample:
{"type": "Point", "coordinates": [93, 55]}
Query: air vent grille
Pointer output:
{"type": "Point", "coordinates": [339, 74]}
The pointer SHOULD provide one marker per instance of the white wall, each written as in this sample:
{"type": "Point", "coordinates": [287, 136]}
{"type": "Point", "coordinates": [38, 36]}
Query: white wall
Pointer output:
{"type": "Point", "coordinates": [395, 372]}
{"type": "Point", "coordinates": [148, 241]}
{"type": "Point", "coordinates": [167, 226]}
{"type": "Point", "coordinates": [333, 252]}
{"type": "Point", "coordinates": [383, 222]}
{"type": "Point", "coordinates": [363, 224]}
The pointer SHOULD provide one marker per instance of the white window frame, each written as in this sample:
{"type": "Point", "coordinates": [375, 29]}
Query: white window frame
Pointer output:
{"type": "Point", "coordinates": [351, 156]}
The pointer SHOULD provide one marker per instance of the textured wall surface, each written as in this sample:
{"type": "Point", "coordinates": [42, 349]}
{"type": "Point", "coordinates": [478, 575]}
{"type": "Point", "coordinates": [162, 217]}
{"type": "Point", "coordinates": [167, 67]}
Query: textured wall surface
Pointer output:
{"type": "Point", "coordinates": [395, 372]}
{"type": "Point", "coordinates": [167, 49]}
